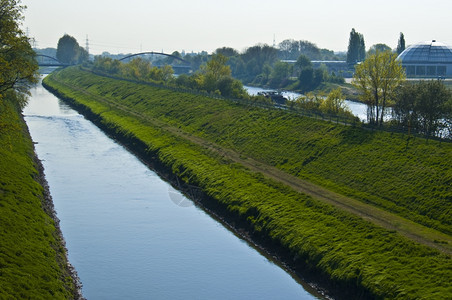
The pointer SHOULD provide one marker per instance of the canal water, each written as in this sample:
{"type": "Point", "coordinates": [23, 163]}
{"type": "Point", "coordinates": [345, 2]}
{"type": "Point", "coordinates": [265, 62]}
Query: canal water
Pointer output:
{"type": "Point", "coordinates": [129, 234]}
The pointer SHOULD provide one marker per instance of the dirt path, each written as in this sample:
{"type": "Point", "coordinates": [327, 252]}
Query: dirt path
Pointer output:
{"type": "Point", "coordinates": [390, 221]}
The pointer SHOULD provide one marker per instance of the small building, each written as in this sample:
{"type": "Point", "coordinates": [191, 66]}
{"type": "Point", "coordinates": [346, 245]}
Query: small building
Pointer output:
{"type": "Point", "coordinates": [430, 59]}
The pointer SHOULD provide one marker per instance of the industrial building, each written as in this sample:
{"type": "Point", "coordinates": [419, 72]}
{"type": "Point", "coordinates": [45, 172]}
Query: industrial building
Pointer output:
{"type": "Point", "coordinates": [430, 59]}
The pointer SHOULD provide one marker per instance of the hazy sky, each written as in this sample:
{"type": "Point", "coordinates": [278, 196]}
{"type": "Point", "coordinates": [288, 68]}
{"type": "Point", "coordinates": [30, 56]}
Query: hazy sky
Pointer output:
{"type": "Point", "coordinates": [169, 25]}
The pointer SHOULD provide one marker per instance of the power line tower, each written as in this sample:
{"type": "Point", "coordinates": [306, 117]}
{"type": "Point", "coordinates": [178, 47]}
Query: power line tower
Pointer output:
{"type": "Point", "coordinates": [32, 40]}
{"type": "Point", "coordinates": [87, 45]}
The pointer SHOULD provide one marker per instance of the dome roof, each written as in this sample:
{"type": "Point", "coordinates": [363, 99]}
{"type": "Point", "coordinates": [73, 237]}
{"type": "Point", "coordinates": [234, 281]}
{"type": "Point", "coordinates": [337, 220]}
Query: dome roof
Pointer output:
{"type": "Point", "coordinates": [427, 52]}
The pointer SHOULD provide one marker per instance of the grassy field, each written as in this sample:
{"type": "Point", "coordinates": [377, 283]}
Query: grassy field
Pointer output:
{"type": "Point", "coordinates": [408, 176]}
{"type": "Point", "coordinates": [32, 257]}
{"type": "Point", "coordinates": [350, 252]}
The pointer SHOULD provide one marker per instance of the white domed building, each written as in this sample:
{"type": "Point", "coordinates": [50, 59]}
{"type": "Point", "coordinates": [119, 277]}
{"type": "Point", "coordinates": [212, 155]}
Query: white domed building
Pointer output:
{"type": "Point", "coordinates": [427, 60]}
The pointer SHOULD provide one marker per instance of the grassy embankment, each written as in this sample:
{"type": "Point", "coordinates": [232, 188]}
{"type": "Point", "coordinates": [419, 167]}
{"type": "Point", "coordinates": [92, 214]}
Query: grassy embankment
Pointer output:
{"type": "Point", "coordinates": [352, 253]}
{"type": "Point", "coordinates": [32, 256]}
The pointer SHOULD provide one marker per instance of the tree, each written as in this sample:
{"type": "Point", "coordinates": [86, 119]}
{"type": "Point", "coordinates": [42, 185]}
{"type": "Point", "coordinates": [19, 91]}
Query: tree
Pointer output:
{"type": "Point", "coordinates": [266, 71]}
{"type": "Point", "coordinates": [433, 97]}
{"type": "Point", "coordinates": [280, 72]}
{"type": "Point", "coordinates": [310, 50]}
{"type": "Point", "coordinates": [216, 67]}
{"type": "Point", "coordinates": [401, 44]}
{"type": "Point", "coordinates": [425, 106]}
{"type": "Point", "coordinates": [405, 107]}
{"type": "Point", "coordinates": [303, 62]}
{"type": "Point", "coordinates": [107, 64]}
{"type": "Point", "coordinates": [69, 51]}
{"type": "Point", "coordinates": [291, 49]}
{"type": "Point", "coordinates": [334, 103]}
{"type": "Point", "coordinates": [138, 68]}
{"type": "Point", "coordinates": [167, 72]}
{"type": "Point", "coordinates": [379, 48]}
{"type": "Point", "coordinates": [356, 48]}
{"type": "Point", "coordinates": [215, 76]}
{"type": "Point", "coordinates": [306, 78]}
{"type": "Point", "coordinates": [377, 78]}
{"type": "Point", "coordinates": [18, 66]}
{"type": "Point", "coordinates": [227, 51]}
{"type": "Point", "coordinates": [256, 57]}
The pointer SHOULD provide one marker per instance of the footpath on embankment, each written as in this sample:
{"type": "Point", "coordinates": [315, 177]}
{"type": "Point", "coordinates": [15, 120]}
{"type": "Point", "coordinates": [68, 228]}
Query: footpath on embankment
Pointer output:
{"type": "Point", "coordinates": [351, 244]}
{"type": "Point", "coordinates": [33, 261]}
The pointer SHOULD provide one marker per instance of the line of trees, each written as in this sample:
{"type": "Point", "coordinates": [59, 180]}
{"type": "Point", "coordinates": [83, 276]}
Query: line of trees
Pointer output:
{"type": "Point", "coordinates": [357, 49]}
{"type": "Point", "coordinates": [18, 66]}
{"type": "Point", "coordinates": [291, 49]}
{"type": "Point", "coordinates": [422, 107]}
{"type": "Point", "coordinates": [331, 104]}
{"type": "Point", "coordinates": [262, 65]}
{"type": "Point", "coordinates": [214, 76]}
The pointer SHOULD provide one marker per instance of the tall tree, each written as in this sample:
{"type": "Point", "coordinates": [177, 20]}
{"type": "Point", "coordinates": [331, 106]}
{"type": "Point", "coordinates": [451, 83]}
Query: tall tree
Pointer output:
{"type": "Point", "coordinates": [18, 66]}
{"type": "Point", "coordinates": [377, 78]}
{"type": "Point", "coordinates": [356, 48]}
{"type": "Point", "coordinates": [69, 51]}
{"type": "Point", "coordinates": [401, 44]}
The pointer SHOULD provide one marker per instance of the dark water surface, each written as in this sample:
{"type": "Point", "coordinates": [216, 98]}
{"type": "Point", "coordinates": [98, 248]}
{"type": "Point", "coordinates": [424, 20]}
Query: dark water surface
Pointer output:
{"type": "Point", "coordinates": [129, 234]}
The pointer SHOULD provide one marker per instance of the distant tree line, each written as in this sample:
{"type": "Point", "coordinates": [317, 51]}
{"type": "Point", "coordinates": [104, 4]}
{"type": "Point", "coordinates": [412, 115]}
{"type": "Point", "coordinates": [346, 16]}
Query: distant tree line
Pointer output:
{"type": "Point", "coordinates": [291, 50]}
{"type": "Point", "coordinates": [265, 65]}
{"type": "Point", "coordinates": [214, 76]}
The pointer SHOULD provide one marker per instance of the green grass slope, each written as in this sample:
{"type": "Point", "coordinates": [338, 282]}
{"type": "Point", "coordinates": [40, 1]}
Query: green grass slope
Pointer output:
{"type": "Point", "coordinates": [32, 259]}
{"type": "Point", "coordinates": [404, 175]}
{"type": "Point", "coordinates": [358, 258]}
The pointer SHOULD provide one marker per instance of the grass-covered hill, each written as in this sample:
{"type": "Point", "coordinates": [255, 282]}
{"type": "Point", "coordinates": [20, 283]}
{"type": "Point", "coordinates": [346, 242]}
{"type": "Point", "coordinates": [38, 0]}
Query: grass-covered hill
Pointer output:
{"type": "Point", "coordinates": [32, 256]}
{"type": "Point", "coordinates": [194, 136]}
{"type": "Point", "coordinates": [405, 175]}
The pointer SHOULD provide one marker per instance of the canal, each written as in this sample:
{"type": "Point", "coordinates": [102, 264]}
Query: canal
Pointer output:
{"type": "Point", "coordinates": [129, 234]}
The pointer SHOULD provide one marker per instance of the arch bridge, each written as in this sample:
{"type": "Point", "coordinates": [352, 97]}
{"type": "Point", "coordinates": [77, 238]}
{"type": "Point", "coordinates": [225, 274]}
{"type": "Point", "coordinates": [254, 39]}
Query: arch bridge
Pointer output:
{"type": "Point", "coordinates": [53, 61]}
{"type": "Point", "coordinates": [186, 65]}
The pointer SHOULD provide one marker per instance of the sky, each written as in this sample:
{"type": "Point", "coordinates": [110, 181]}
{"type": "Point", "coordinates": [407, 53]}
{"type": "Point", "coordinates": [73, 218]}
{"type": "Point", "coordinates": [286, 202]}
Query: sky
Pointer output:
{"type": "Point", "coordinates": [195, 25]}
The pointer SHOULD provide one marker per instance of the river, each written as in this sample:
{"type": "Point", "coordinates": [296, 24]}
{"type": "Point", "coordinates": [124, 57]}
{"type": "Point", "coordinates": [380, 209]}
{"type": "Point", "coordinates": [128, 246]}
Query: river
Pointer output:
{"type": "Point", "coordinates": [129, 234]}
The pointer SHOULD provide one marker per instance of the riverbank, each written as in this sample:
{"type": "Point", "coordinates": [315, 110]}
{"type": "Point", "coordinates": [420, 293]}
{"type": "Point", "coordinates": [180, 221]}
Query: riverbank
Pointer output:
{"type": "Point", "coordinates": [33, 261]}
{"type": "Point", "coordinates": [355, 257]}
{"type": "Point", "coordinates": [350, 93]}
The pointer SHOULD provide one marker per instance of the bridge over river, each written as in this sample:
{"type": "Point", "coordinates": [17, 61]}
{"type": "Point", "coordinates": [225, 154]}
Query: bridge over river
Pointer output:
{"type": "Point", "coordinates": [49, 61]}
